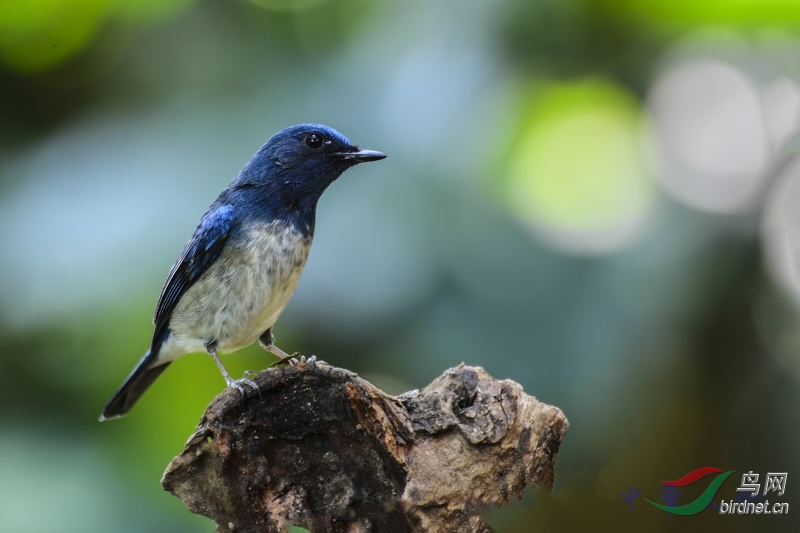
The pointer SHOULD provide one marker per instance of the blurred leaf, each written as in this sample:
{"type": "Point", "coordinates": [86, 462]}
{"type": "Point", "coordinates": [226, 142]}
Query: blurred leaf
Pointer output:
{"type": "Point", "coordinates": [38, 34]}
{"type": "Point", "coordinates": [710, 11]}
{"type": "Point", "coordinates": [568, 38]}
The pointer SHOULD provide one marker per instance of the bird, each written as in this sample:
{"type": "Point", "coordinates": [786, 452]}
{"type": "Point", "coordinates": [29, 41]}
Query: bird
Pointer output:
{"type": "Point", "coordinates": [241, 265]}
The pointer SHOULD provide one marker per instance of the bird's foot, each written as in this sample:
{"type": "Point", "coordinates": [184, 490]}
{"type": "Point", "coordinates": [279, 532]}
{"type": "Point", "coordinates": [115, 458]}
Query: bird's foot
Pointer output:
{"type": "Point", "coordinates": [313, 359]}
{"type": "Point", "coordinates": [288, 360]}
{"type": "Point", "coordinates": [242, 384]}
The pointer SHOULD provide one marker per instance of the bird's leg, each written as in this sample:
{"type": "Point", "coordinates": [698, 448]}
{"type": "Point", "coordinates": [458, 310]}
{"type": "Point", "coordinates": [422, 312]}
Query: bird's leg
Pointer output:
{"type": "Point", "coordinates": [238, 384]}
{"type": "Point", "coordinates": [267, 341]}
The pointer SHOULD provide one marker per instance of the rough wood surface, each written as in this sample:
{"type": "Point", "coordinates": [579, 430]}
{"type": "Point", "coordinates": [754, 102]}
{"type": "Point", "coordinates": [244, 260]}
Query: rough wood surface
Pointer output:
{"type": "Point", "coordinates": [318, 447]}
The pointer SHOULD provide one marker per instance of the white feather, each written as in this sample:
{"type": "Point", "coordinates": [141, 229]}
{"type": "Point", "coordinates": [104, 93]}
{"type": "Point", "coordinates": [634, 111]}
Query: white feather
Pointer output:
{"type": "Point", "coordinates": [241, 295]}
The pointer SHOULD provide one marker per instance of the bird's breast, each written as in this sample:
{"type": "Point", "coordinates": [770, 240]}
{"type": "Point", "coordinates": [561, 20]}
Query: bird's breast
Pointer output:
{"type": "Point", "coordinates": [244, 291]}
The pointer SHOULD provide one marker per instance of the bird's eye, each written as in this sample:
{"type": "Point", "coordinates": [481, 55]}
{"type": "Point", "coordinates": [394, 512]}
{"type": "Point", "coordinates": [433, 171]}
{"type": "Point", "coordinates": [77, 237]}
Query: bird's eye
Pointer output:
{"type": "Point", "coordinates": [313, 141]}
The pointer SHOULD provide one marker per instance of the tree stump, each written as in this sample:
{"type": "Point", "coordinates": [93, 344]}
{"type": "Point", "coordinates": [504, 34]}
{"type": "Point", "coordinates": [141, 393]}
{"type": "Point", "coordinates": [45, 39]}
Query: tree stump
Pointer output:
{"type": "Point", "coordinates": [318, 447]}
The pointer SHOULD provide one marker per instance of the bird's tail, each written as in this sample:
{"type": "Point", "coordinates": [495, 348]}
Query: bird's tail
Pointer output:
{"type": "Point", "coordinates": [135, 385]}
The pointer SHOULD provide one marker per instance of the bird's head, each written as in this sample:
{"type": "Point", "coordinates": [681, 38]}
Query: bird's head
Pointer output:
{"type": "Point", "coordinates": [299, 162]}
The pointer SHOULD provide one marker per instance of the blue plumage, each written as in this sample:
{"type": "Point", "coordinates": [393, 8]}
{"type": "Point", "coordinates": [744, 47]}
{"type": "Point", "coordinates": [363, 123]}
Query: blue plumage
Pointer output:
{"type": "Point", "coordinates": [241, 265]}
{"type": "Point", "coordinates": [202, 249]}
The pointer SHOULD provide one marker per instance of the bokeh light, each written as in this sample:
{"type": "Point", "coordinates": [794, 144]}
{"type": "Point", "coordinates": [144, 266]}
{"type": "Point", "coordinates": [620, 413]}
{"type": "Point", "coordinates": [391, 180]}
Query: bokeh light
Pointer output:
{"type": "Point", "coordinates": [780, 228]}
{"type": "Point", "coordinates": [577, 173]}
{"type": "Point", "coordinates": [778, 311]}
{"type": "Point", "coordinates": [712, 141]}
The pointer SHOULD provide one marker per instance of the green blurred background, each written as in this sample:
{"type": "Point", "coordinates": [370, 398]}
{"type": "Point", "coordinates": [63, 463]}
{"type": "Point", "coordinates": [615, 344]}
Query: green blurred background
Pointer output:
{"type": "Point", "coordinates": [595, 198]}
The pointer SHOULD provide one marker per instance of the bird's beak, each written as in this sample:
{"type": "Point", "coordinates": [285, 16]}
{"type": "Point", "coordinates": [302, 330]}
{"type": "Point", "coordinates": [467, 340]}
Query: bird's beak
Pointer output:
{"type": "Point", "coordinates": [362, 156]}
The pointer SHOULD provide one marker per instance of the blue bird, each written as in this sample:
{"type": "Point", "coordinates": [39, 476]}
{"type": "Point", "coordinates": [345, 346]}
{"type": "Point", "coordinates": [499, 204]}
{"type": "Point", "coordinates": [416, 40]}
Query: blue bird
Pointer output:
{"type": "Point", "coordinates": [241, 265]}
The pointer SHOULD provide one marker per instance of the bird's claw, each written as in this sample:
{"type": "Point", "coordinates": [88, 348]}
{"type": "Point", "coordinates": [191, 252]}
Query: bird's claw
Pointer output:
{"type": "Point", "coordinates": [296, 359]}
{"type": "Point", "coordinates": [313, 359]}
{"type": "Point", "coordinates": [242, 384]}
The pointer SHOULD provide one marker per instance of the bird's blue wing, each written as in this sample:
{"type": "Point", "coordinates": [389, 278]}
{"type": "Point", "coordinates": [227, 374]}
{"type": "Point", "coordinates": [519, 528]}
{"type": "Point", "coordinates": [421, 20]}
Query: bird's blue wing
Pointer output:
{"type": "Point", "coordinates": [199, 253]}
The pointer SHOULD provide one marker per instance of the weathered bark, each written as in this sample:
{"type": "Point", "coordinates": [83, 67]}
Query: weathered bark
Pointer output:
{"type": "Point", "coordinates": [318, 447]}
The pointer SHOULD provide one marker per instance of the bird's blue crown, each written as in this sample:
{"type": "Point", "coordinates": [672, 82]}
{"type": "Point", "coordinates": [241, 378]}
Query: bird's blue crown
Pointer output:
{"type": "Point", "coordinates": [287, 175]}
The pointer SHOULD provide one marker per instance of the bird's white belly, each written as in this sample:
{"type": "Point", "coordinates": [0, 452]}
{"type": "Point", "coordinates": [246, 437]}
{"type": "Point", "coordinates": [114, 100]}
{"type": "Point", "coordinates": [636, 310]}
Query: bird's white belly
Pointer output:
{"type": "Point", "coordinates": [241, 295]}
